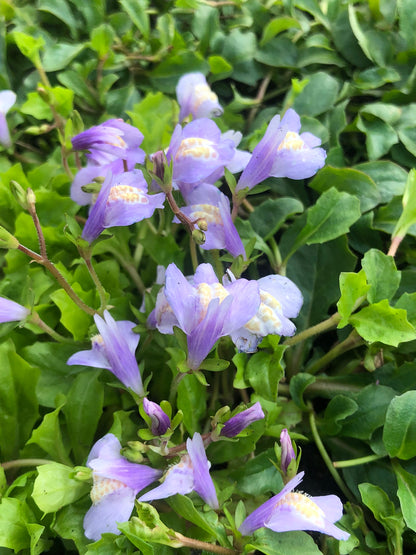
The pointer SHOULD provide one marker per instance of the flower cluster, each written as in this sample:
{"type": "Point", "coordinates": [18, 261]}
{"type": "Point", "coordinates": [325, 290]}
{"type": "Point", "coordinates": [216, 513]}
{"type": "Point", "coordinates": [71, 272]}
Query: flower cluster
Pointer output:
{"type": "Point", "coordinates": [207, 310]}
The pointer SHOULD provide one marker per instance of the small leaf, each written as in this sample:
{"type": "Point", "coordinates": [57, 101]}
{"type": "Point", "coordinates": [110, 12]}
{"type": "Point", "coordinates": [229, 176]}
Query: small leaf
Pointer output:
{"type": "Point", "coordinates": [382, 275]}
{"type": "Point", "coordinates": [399, 435]}
{"type": "Point", "coordinates": [354, 289]}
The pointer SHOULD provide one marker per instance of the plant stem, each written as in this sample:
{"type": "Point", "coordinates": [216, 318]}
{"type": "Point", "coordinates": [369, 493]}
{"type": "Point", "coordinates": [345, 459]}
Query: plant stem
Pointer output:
{"type": "Point", "coordinates": [194, 254]}
{"type": "Point", "coordinates": [357, 462]}
{"type": "Point", "coordinates": [101, 291]}
{"type": "Point", "coordinates": [24, 462]}
{"type": "Point", "coordinates": [259, 99]}
{"type": "Point", "coordinates": [352, 341]}
{"type": "Point", "coordinates": [204, 546]}
{"type": "Point", "coordinates": [326, 457]}
{"type": "Point", "coordinates": [37, 321]}
{"type": "Point", "coordinates": [326, 325]}
{"type": "Point", "coordinates": [32, 211]}
{"type": "Point", "coordinates": [395, 242]}
{"type": "Point", "coordinates": [59, 278]}
{"type": "Point", "coordinates": [128, 265]}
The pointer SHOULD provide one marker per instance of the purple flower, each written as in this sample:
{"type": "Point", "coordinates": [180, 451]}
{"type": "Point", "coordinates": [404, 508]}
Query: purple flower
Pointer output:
{"type": "Point", "coordinates": [282, 152]}
{"type": "Point", "coordinates": [240, 421]}
{"type": "Point", "coordinates": [195, 97]}
{"type": "Point", "coordinates": [288, 454]}
{"type": "Point", "coordinates": [198, 150]}
{"type": "Point", "coordinates": [112, 145]}
{"type": "Point", "coordinates": [190, 474]}
{"type": "Point", "coordinates": [205, 310]}
{"type": "Point", "coordinates": [114, 349]}
{"type": "Point", "coordinates": [122, 200]}
{"type": "Point", "coordinates": [116, 482]}
{"type": "Point", "coordinates": [280, 299]}
{"type": "Point", "coordinates": [160, 420]}
{"type": "Point", "coordinates": [288, 511]}
{"type": "Point", "coordinates": [11, 311]}
{"type": "Point", "coordinates": [206, 202]}
{"type": "Point", "coordinates": [7, 99]}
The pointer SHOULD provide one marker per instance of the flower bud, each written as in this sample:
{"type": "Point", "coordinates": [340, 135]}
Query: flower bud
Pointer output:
{"type": "Point", "coordinates": [19, 193]}
{"type": "Point", "coordinates": [160, 421]}
{"type": "Point", "coordinates": [198, 236]}
{"type": "Point", "coordinates": [288, 454]}
{"type": "Point", "coordinates": [7, 240]}
{"type": "Point", "coordinates": [30, 196]}
{"type": "Point", "coordinates": [240, 421]}
{"type": "Point", "coordinates": [202, 224]}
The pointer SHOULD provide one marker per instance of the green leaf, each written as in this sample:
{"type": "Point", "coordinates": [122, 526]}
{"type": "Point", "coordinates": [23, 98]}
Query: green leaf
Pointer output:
{"type": "Point", "coordinates": [18, 402]}
{"type": "Point", "coordinates": [183, 506]}
{"type": "Point", "coordinates": [407, 22]}
{"type": "Point", "coordinates": [59, 55]}
{"type": "Point", "coordinates": [382, 275]}
{"type": "Point", "coordinates": [276, 26]}
{"type": "Point", "coordinates": [137, 12]}
{"type": "Point", "coordinates": [83, 410]}
{"type": "Point", "coordinates": [354, 289]}
{"type": "Point", "coordinates": [73, 318]}
{"type": "Point", "coordinates": [350, 181]}
{"type": "Point", "coordinates": [214, 364]}
{"type": "Point", "coordinates": [375, 77]}
{"type": "Point", "coordinates": [282, 543]}
{"type": "Point", "coordinates": [147, 527]}
{"type": "Point", "coordinates": [102, 39]}
{"type": "Point", "coordinates": [219, 65]}
{"type": "Point", "coordinates": [408, 216]}
{"type": "Point", "coordinates": [55, 487]}
{"type": "Point", "coordinates": [60, 9]}
{"type": "Point", "coordinates": [323, 221]}
{"type": "Point", "coordinates": [264, 371]}
{"type": "Point", "coordinates": [389, 178]}
{"type": "Point", "coordinates": [380, 136]}
{"type": "Point", "coordinates": [258, 476]}
{"type": "Point", "coordinates": [407, 495]}
{"type": "Point", "coordinates": [380, 322]}
{"type": "Point", "coordinates": [49, 437]}
{"type": "Point", "coordinates": [278, 52]}
{"type": "Point", "coordinates": [374, 44]}
{"type": "Point", "coordinates": [269, 216]}
{"type": "Point", "coordinates": [192, 401]}
{"type": "Point", "coordinates": [318, 96]}
{"type": "Point", "coordinates": [399, 434]}
{"type": "Point", "coordinates": [29, 46]}
{"type": "Point", "coordinates": [14, 519]}
{"type": "Point", "coordinates": [298, 385]}
{"type": "Point", "coordinates": [339, 408]}
{"type": "Point", "coordinates": [372, 404]}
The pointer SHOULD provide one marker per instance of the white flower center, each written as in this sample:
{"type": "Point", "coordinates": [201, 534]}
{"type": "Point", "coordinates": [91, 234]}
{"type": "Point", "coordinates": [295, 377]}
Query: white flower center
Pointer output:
{"type": "Point", "coordinates": [266, 321]}
{"type": "Point", "coordinates": [196, 147]}
{"type": "Point", "coordinates": [202, 93]}
{"type": "Point", "coordinates": [127, 194]}
{"type": "Point", "coordinates": [292, 141]}
{"type": "Point", "coordinates": [304, 506]}
{"type": "Point", "coordinates": [104, 486]}
{"type": "Point", "coordinates": [207, 212]}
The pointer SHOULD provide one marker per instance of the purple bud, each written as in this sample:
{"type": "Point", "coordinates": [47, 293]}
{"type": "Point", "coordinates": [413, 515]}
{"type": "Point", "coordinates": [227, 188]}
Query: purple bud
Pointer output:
{"type": "Point", "coordinates": [240, 421]}
{"type": "Point", "coordinates": [160, 420]}
{"type": "Point", "coordinates": [288, 454]}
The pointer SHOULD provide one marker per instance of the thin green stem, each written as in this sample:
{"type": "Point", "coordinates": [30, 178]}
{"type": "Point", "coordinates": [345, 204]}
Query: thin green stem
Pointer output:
{"type": "Point", "coordinates": [276, 263]}
{"type": "Point", "coordinates": [326, 325]}
{"type": "Point", "coordinates": [24, 462]}
{"type": "Point", "coordinates": [194, 254]}
{"type": "Point", "coordinates": [323, 452]}
{"type": "Point", "coordinates": [59, 278]}
{"type": "Point", "coordinates": [204, 546]}
{"type": "Point", "coordinates": [358, 461]}
{"type": "Point", "coordinates": [35, 319]}
{"type": "Point", "coordinates": [101, 291]}
{"type": "Point", "coordinates": [352, 341]}
{"type": "Point", "coordinates": [32, 211]}
{"type": "Point", "coordinates": [219, 270]}
{"type": "Point", "coordinates": [128, 265]}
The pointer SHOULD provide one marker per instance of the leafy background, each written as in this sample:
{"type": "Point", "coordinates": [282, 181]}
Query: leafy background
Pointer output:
{"type": "Point", "coordinates": [348, 68]}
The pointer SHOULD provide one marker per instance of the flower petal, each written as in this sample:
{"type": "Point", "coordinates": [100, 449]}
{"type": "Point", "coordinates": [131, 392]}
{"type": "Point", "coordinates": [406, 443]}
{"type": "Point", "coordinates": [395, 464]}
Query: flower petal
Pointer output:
{"type": "Point", "coordinates": [204, 485]}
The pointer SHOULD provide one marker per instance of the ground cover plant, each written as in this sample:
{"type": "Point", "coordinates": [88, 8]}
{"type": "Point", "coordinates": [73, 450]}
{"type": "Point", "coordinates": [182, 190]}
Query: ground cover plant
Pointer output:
{"type": "Point", "coordinates": [208, 281]}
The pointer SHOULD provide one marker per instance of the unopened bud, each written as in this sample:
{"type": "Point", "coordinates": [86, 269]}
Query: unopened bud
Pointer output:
{"type": "Point", "coordinates": [160, 421]}
{"type": "Point", "coordinates": [7, 240]}
{"type": "Point", "coordinates": [198, 236]}
{"type": "Point", "coordinates": [93, 188]}
{"type": "Point", "coordinates": [30, 196]}
{"type": "Point", "coordinates": [19, 193]}
{"type": "Point", "coordinates": [134, 451]}
{"type": "Point", "coordinates": [82, 473]}
{"type": "Point", "coordinates": [202, 224]}
{"type": "Point", "coordinates": [240, 421]}
{"type": "Point", "coordinates": [44, 94]}
{"type": "Point", "coordinates": [288, 453]}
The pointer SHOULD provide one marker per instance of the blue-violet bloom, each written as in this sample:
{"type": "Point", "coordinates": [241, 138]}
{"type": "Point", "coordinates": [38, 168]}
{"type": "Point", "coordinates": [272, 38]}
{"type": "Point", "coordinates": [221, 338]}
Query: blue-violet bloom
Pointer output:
{"type": "Point", "coordinates": [198, 150]}
{"type": "Point", "coordinates": [160, 421]}
{"type": "Point", "coordinates": [206, 202]}
{"type": "Point", "coordinates": [113, 349]}
{"type": "Point", "coordinates": [204, 309]}
{"type": "Point", "coordinates": [190, 474]}
{"type": "Point", "coordinates": [195, 97]}
{"type": "Point", "coordinates": [288, 511]}
{"type": "Point", "coordinates": [122, 200]}
{"type": "Point", "coordinates": [280, 299]}
{"type": "Point", "coordinates": [113, 146]}
{"type": "Point", "coordinates": [282, 152]}
{"type": "Point", "coordinates": [287, 453]}
{"type": "Point", "coordinates": [10, 311]}
{"type": "Point", "coordinates": [7, 99]}
{"type": "Point", "coordinates": [116, 482]}
{"type": "Point", "coordinates": [240, 421]}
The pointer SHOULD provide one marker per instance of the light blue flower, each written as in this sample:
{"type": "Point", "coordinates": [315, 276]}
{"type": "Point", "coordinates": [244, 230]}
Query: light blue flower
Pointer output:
{"type": "Point", "coordinates": [116, 482]}
{"type": "Point", "coordinates": [195, 97]}
{"type": "Point", "coordinates": [113, 349]}
{"type": "Point", "coordinates": [190, 474]}
{"type": "Point", "coordinates": [11, 311]}
{"type": "Point", "coordinates": [7, 99]}
{"type": "Point", "coordinates": [290, 510]}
